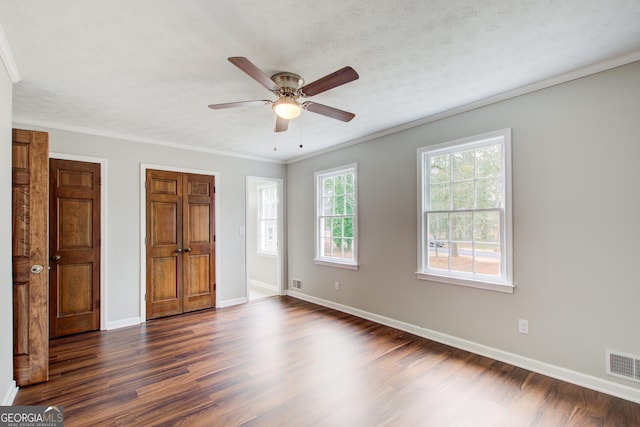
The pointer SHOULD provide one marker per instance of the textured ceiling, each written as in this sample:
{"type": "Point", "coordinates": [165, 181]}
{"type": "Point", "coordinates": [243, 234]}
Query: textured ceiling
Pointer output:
{"type": "Point", "coordinates": [147, 69]}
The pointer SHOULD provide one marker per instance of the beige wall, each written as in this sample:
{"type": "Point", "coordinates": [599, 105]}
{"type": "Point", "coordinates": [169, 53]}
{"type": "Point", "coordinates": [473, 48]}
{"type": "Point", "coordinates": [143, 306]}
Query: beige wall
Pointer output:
{"type": "Point", "coordinates": [576, 150]}
{"type": "Point", "coordinates": [7, 386]}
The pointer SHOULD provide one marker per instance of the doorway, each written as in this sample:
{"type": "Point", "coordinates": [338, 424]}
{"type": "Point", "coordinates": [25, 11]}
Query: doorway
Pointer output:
{"type": "Point", "coordinates": [264, 237]}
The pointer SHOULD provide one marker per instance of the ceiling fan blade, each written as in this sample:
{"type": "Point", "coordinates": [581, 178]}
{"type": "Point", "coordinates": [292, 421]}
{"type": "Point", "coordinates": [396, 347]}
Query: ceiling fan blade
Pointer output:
{"type": "Point", "coordinates": [325, 110]}
{"type": "Point", "coordinates": [335, 79]}
{"type": "Point", "coordinates": [254, 72]}
{"type": "Point", "coordinates": [239, 104]}
{"type": "Point", "coordinates": [281, 124]}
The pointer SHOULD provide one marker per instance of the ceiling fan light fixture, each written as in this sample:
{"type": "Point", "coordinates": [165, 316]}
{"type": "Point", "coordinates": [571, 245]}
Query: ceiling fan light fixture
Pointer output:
{"type": "Point", "coordinates": [287, 108]}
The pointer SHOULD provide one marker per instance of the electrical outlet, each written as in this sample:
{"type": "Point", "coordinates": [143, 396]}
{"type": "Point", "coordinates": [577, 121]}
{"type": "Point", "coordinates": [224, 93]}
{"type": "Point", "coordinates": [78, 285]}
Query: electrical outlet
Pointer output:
{"type": "Point", "coordinates": [337, 285]}
{"type": "Point", "coordinates": [523, 326]}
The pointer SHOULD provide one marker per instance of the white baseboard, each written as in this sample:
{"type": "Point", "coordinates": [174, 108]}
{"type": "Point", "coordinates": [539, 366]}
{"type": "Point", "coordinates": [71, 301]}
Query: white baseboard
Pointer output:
{"type": "Point", "coordinates": [10, 394]}
{"type": "Point", "coordinates": [230, 302]}
{"type": "Point", "coordinates": [264, 285]}
{"type": "Point", "coordinates": [124, 323]}
{"type": "Point", "coordinates": [598, 384]}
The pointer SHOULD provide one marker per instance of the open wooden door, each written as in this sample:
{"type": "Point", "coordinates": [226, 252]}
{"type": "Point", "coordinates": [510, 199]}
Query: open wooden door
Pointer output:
{"type": "Point", "coordinates": [30, 185]}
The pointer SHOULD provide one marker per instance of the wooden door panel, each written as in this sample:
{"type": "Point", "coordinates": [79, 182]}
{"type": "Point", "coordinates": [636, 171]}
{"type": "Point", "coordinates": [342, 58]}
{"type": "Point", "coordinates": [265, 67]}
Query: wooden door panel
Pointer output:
{"type": "Point", "coordinates": [167, 184]}
{"type": "Point", "coordinates": [75, 247]}
{"type": "Point", "coordinates": [165, 279]}
{"type": "Point", "coordinates": [76, 224]}
{"type": "Point", "coordinates": [164, 244]}
{"type": "Point", "coordinates": [199, 274]}
{"type": "Point", "coordinates": [73, 299]}
{"type": "Point", "coordinates": [30, 171]}
{"type": "Point", "coordinates": [70, 179]}
{"type": "Point", "coordinates": [198, 224]}
{"type": "Point", "coordinates": [164, 224]}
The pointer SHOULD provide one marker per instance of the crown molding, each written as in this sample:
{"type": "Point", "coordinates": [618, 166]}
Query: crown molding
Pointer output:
{"type": "Point", "coordinates": [7, 59]}
{"type": "Point", "coordinates": [18, 121]}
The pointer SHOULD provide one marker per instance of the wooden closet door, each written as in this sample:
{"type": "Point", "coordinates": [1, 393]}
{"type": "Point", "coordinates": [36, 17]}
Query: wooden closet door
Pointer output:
{"type": "Point", "coordinates": [74, 289]}
{"type": "Point", "coordinates": [199, 245]}
{"type": "Point", "coordinates": [180, 243]}
{"type": "Point", "coordinates": [30, 187]}
{"type": "Point", "coordinates": [164, 243]}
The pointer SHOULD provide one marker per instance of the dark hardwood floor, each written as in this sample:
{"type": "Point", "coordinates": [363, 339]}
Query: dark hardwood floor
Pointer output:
{"type": "Point", "coordinates": [285, 362]}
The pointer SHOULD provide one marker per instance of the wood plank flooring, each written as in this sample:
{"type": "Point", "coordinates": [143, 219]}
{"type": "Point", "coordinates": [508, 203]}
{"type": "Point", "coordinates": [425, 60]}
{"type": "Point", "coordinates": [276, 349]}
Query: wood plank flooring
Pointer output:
{"type": "Point", "coordinates": [280, 361]}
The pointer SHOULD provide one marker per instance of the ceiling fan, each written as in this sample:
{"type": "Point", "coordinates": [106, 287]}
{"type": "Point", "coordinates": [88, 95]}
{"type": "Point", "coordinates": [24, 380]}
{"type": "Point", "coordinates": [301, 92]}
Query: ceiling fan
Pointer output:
{"type": "Point", "coordinates": [289, 87]}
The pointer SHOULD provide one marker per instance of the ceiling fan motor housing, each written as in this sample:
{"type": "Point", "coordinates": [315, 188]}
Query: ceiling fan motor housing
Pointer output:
{"type": "Point", "coordinates": [289, 83]}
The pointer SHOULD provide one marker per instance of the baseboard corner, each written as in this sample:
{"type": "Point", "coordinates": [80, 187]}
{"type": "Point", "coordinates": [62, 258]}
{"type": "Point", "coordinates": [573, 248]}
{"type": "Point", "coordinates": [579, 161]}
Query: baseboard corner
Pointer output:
{"type": "Point", "coordinates": [10, 394]}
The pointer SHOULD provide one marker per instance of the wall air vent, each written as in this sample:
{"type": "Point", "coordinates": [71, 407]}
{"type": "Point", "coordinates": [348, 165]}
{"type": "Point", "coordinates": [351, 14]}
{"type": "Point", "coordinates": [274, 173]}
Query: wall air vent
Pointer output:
{"type": "Point", "coordinates": [296, 284]}
{"type": "Point", "coordinates": [623, 365]}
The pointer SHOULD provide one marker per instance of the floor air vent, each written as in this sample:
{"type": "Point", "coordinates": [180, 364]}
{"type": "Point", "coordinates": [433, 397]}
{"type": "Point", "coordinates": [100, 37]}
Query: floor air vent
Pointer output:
{"type": "Point", "coordinates": [296, 284]}
{"type": "Point", "coordinates": [623, 365]}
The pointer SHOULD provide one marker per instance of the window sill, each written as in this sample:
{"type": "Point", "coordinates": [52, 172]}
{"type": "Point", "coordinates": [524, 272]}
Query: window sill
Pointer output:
{"type": "Point", "coordinates": [489, 286]}
{"type": "Point", "coordinates": [336, 264]}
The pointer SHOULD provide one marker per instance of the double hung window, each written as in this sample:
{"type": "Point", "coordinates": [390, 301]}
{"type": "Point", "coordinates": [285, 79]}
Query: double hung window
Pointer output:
{"type": "Point", "coordinates": [336, 217]}
{"type": "Point", "coordinates": [465, 215]}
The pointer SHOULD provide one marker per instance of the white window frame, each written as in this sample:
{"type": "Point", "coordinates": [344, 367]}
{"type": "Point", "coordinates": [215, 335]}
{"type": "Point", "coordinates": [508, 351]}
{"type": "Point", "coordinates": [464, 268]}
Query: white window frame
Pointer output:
{"type": "Point", "coordinates": [261, 238]}
{"type": "Point", "coordinates": [501, 283]}
{"type": "Point", "coordinates": [351, 264]}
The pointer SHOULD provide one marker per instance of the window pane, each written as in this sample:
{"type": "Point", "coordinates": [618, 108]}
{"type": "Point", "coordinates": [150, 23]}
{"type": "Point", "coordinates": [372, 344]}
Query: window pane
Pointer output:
{"type": "Point", "coordinates": [350, 205]}
{"type": "Point", "coordinates": [439, 255]}
{"type": "Point", "coordinates": [438, 227]}
{"type": "Point", "coordinates": [348, 248]}
{"type": "Point", "coordinates": [462, 195]}
{"type": "Point", "coordinates": [487, 259]}
{"type": "Point", "coordinates": [336, 229]}
{"type": "Point", "coordinates": [348, 227]}
{"type": "Point", "coordinates": [440, 196]}
{"type": "Point", "coordinates": [439, 169]}
{"type": "Point", "coordinates": [489, 193]}
{"type": "Point", "coordinates": [461, 257]}
{"type": "Point", "coordinates": [340, 182]}
{"type": "Point", "coordinates": [489, 161]}
{"type": "Point", "coordinates": [350, 184]}
{"type": "Point", "coordinates": [462, 166]}
{"type": "Point", "coordinates": [486, 227]}
{"type": "Point", "coordinates": [327, 206]}
{"type": "Point", "coordinates": [339, 205]}
{"type": "Point", "coordinates": [336, 247]}
{"type": "Point", "coordinates": [461, 226]}
{"type": "Point", "coordinates": [326, 247]}
{"type": "Point", "coordinates": [327, 187]}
